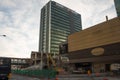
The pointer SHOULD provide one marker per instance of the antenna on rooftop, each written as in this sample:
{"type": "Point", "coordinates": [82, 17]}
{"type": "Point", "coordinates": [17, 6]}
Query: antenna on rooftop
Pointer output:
{"type": "Point", "coordinates": [106, 18]}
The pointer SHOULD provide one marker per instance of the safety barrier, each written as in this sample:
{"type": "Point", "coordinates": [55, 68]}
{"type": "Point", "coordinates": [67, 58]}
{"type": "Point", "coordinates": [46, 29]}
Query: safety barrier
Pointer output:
{"type": "Point", "coordinates": [37, 73]}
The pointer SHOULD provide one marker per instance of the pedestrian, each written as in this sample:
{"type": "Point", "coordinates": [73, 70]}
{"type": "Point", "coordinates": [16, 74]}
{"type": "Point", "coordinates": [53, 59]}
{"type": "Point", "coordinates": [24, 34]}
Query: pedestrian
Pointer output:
{"type": "Point", "coordinates": [89, 73]}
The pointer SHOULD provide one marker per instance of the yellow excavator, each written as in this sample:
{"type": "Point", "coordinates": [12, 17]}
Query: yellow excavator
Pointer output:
{"type": "Point", "coordinates": [52, 63]}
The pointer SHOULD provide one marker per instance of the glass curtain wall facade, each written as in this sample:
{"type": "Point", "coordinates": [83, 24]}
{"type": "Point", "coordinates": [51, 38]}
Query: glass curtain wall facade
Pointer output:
{"type": "Point", "coordinates": [117, 6]}
{"type": "Point", "coordinates": [57, 22]}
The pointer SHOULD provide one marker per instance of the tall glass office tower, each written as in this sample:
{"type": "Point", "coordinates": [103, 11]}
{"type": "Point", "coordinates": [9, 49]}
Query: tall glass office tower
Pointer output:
{"type": "Point", "coordinates": [57, 22]}
{"type": "Point", "coordinates": [117, 6]}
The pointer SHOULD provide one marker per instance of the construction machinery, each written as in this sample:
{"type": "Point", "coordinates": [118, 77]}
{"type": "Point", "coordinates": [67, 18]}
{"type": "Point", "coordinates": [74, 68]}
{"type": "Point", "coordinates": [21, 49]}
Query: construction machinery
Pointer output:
{"type": "Point", "coordinates": [54, 63]}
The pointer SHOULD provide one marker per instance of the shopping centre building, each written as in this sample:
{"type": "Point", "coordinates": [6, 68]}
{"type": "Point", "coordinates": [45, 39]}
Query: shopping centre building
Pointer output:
{"type": "Point", "coordinates": [96, 48]}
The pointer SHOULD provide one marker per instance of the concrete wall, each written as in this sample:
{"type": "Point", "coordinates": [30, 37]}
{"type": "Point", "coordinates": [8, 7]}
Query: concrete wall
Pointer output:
{"type": "Point", "coordinates": [35, 57]}
{"type": "Point", "coordinates": [102, 34]}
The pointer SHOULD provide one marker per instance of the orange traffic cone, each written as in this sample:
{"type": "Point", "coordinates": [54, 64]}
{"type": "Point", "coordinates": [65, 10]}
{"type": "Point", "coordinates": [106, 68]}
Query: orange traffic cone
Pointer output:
{"type": "Point", "coordinates": [56, 78]}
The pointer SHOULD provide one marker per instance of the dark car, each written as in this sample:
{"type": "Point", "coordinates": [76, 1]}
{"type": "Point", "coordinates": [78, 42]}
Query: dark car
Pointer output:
{"type": "Point", "coordinates": [5, 68]}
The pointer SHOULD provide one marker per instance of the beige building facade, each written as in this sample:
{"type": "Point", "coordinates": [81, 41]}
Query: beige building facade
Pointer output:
{"type": "Point", "coordinates": [102, 34]}
{"type": "Point", "coordinates": [97, 47]}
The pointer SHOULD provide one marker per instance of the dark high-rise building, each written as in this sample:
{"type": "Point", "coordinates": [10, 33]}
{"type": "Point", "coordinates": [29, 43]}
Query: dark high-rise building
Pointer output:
{"type": "Point", "coordinates": [117, 6]}
{"type": "Point", "coordinates": [57, 22]}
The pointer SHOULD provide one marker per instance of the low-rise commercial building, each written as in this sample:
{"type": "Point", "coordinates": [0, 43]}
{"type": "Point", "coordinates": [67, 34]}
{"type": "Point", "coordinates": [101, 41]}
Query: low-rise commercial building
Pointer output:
{"type": "Point", "coordinates": [96, 48]}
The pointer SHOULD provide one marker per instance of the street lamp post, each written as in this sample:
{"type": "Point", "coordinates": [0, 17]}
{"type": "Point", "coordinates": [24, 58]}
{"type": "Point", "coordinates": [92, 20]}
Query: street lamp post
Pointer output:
{"type": "Point", "coordinates": [3, 35]}
{"type": "Point", "coordinates": [41, 60]}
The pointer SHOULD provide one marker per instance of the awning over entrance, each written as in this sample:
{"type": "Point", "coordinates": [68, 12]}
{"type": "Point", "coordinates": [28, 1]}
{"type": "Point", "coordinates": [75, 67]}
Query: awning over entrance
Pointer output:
{"type": "Point", "coordinates": [113, 58]}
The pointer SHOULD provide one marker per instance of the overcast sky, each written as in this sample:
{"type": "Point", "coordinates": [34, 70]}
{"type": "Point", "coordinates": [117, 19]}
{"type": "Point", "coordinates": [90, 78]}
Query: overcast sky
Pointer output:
{"type": "Point", "coordinates": [20, 20]}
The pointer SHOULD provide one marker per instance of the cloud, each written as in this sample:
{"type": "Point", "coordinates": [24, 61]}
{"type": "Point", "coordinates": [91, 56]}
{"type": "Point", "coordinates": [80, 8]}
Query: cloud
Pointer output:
{"type": "Point", "coordinates": [20, 21]}
{"type": "Point", "coordinates": [22, 33]}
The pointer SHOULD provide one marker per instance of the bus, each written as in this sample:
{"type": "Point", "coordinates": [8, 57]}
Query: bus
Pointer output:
{"type": "Point", "coordinates": [5, 68]}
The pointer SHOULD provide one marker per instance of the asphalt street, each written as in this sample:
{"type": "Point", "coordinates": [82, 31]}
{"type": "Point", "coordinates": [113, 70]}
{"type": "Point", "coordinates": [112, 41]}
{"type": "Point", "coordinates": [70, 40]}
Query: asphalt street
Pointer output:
{"type": "Point", "coordinates": [19, 77]}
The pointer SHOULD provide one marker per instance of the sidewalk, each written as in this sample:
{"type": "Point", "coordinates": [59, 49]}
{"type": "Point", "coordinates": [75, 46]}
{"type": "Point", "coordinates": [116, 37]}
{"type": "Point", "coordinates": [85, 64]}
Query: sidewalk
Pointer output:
{"type": "Point", "coordinates": [101, 76]}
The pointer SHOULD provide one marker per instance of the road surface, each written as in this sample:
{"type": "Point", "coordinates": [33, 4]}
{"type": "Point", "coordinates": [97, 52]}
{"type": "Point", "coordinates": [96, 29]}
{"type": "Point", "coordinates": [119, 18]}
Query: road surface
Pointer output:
{"type": "Point", "coordinates": [19, 77]}
{"type": "Point", "coordinates": [85, 77]}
